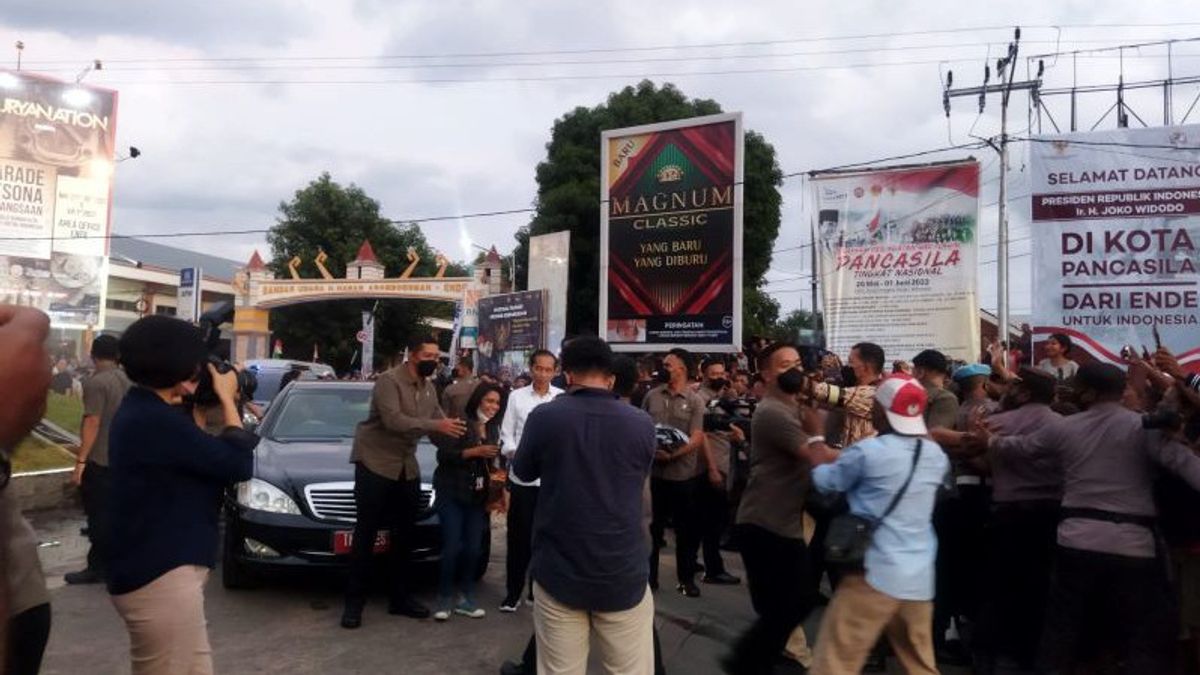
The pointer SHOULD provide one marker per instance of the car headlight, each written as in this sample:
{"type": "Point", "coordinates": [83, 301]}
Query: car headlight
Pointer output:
{"type": "Point", "coordinates": [260, 495]}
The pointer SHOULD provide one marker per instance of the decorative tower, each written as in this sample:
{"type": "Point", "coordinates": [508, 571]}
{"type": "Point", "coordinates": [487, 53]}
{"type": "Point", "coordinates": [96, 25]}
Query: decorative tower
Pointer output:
{"type": "Point", "coordinates": [365, 265]}
{"type": "Point", "coordinates": [251, 335]}
{"type": "Point", "coordinates": [490, 273]}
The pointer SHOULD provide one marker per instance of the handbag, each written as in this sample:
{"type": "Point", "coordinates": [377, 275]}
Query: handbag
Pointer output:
{"type": "Point", "coordinates": [850, 535]}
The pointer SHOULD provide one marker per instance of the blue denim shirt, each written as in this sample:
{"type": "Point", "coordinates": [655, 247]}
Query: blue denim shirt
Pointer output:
{"type": "Point", "coordinates": [900, 561]}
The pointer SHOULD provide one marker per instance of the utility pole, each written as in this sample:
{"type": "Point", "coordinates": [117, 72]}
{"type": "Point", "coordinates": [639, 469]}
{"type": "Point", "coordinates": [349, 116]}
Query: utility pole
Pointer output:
{"type": "Point", "coordinates": [1005, 71]}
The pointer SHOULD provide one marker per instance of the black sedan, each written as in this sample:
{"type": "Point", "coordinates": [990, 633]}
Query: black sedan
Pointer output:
{"type": "Point", "coordinates": [298, 509]}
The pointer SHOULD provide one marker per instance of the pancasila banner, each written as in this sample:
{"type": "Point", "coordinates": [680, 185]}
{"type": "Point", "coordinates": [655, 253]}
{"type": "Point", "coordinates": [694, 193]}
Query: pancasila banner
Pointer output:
{"type": "Point", "coordinates": [897, 251]}
{"type": "Point", "coordinates": [56, 165]}
{"type": "Point", "coordinates": [1116, 224]}
{"type": "Point", "coordinates": [671, 235]}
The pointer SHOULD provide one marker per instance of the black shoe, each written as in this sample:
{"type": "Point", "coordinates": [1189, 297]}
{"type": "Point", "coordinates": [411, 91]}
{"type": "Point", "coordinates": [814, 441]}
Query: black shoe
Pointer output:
{"type": "Point", "coordinates": [514, 668]}
{"type": "Point", "coordinates": [722, 579]}
{"type": "Point", "coordinates": [84, 576]}
{"type": "Point", "coordinates": [352, 615]}
{"type": "Point", "coordinates": [510, 604]}
{"type": "Point", "coordinates": [689, 590]}
{"type": "Point", "coordinates": [406, 606]}
{"type": "Point", "coordinates": [654, 585]}
{"type": "Point", "coordinates": [875, 663]}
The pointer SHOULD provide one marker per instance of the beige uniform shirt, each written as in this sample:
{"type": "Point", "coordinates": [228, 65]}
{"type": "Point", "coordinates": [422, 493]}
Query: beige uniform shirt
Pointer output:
{"type": "Point", "coordinates": [102, 395]}
{"type": "Point", "coordinates": [684, 411]}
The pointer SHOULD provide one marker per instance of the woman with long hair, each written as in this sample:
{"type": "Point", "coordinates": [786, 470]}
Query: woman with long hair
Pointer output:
{"type": "Point", "coordinates": [461, 485]}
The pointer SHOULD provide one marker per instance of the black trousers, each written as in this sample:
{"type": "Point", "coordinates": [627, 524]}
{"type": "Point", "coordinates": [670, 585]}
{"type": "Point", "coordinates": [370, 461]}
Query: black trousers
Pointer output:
{"type": "Point", "coordinates": [960, 523]}
{"type": "Point", "coordinates": [28, 633]}
{"type": "Point", "coordinates": [678, 499]}
{"type": "Point", "coordinates": [95, 490]}
{"type": "Point", "coordinates": [1021, 543]}
{"type": "Point", "coordinates": [1100, 601]}
{"type": "Point", "coordinates": [778, 573]}
{"type": "Point", "coordinates": [713, 510]}
{"type": "Point", "coordinates": [521, 505]}
{"type": "Point", "coordinates": [382, 503]}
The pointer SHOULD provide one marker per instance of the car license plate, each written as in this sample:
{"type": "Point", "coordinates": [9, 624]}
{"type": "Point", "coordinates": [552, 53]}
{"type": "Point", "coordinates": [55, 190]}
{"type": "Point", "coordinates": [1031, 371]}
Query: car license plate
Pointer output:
{"type": "Point", "coordinates": [343, 541]}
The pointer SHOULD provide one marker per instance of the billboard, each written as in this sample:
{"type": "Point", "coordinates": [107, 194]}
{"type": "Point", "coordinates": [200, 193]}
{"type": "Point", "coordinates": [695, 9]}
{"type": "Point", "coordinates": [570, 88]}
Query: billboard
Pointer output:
{"type": "Point", "coordinates": [56, 162]}
{"type": "Point", "coordinates": [1115, 227]}
{"type": "Point", "coordinates": [897, 255]}
{"type": "Point", "coordinates": [511, 326]}
{"type": "Point", "coordinates": [549, 259]}
{"type": "Point", "coordinates": [671, 235]}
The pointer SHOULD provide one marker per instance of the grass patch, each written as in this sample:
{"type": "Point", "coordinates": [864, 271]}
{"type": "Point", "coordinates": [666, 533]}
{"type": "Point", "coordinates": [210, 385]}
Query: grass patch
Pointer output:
{"type": "Point", "coordinates": [65, 411]}
{"type": "Point", "coordinates": [34, 454]}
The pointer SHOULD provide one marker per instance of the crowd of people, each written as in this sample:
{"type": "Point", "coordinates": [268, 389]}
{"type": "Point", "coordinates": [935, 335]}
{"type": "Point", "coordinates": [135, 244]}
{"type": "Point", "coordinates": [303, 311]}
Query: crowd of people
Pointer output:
{"type": "Point", "coordinates": [991, 514]}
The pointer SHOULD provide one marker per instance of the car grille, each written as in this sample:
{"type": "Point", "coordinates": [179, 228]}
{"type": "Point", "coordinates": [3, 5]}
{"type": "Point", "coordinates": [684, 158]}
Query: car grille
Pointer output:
{"type": "Point", "coordinates": [335, 501]}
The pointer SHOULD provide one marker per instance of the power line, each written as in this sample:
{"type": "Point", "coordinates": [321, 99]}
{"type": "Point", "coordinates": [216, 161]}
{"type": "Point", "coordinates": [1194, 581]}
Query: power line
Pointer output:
{"type": "Point", "coordinates": [657, 47]}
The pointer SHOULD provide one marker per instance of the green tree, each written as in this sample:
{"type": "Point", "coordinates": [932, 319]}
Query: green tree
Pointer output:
{"type": "Point", "coordinates": [569, 192]}
{"type": "Point", "coordinates": [796, 320]}
{"type": "Point", "coordinates": [327, 216]}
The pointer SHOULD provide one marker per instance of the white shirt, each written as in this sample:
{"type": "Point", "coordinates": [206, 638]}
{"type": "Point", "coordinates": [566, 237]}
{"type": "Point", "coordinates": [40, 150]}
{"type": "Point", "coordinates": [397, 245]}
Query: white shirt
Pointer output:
{"type": "Point", "coordinates": [521, 402]}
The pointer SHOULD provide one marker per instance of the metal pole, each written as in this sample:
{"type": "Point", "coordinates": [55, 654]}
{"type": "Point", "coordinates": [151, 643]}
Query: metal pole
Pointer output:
{"type": "Point", "coordinates": [813, 229]}
{"type": "Point", "coordinates": [1002, 238]}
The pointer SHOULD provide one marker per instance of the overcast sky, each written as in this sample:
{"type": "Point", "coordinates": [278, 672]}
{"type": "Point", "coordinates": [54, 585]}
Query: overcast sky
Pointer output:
{"type": "Point", "coordinates": [225, 139]}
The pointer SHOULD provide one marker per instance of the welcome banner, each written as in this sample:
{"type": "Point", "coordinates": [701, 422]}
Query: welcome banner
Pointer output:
{"type": "Point", "coordinates": [1116, 225]}
{"type": "Point", "coordinates": [671, 235]}
{"type": "Point", "coordinates": [897, 255]}
{"type": "Point", "coordinates": [56, 165]}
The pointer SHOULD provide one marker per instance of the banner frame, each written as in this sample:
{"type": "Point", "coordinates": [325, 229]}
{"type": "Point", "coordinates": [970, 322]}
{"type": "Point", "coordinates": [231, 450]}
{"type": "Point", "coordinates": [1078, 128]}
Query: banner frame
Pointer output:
{"type": "Point", "coordinates": [738, 228]}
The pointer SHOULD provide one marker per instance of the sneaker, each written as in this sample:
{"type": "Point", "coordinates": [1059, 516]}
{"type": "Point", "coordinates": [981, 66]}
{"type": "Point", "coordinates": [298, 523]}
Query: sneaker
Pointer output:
{"type": "Point", "coordinates": [469, 610]}
{"type": "Point", "coordinates": [510, 605]}
{"type": "Point", "coordinates": [441, 615]}
{"type": "Point", "coordinates": [688, 590]}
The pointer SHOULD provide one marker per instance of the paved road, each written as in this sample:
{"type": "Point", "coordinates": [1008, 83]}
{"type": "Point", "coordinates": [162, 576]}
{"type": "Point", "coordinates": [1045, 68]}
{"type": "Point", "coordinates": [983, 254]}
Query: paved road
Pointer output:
{"type": "Point", "coordinates": [290, 625]}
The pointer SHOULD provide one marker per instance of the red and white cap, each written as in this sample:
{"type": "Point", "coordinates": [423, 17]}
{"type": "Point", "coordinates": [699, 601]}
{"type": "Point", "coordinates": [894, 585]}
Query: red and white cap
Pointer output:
{"type": "Point", "coordinates": [903, 399]}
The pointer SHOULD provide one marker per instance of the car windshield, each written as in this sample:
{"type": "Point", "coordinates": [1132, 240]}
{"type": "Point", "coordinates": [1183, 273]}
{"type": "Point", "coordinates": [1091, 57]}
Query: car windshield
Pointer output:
{"type": "Point", "coordinates": [319, 414]}
{"type": "Point", "coordinates": [268, 384]}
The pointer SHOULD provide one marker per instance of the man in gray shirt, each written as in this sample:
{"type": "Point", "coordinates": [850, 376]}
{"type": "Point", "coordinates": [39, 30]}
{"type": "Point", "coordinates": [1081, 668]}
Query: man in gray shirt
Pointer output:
{"type": "Point", "coordinates": [102, 395]}
{"type": "Point", "coordinates": [1110, 575]}
{"type": "Point", "coordinates": [770, 518]}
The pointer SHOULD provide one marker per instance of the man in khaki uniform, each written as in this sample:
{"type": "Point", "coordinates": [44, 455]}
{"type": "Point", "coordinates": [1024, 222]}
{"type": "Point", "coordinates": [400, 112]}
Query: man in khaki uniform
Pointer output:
{"type": "Point", "coordinates": [102, 395]}
{"type": "Point", "coordinates": [454, 399]}
{"type": "Point", "coordinates": [387, 478]}
{"type": "Point", "coordinates": [675, 404]}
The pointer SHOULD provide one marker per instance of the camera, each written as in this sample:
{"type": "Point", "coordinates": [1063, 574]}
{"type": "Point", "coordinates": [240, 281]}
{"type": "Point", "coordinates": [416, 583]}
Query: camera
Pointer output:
{"type": "Point", "coordinates": [724, 413]}
{"type": "Point", "coordinates": [1162, 418]}
{"type": "Point", "coordinates": [210, 327]}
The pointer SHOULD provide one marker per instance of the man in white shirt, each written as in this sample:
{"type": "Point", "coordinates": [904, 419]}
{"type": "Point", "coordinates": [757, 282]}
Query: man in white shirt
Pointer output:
{"type": "Point", "coordinates": [522, 495]}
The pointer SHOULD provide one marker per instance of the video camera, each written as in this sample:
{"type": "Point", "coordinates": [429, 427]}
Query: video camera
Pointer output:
{"type": "Point", "coordinates": [210, 327]}
{"type": "Point", "coordinates": [724, 413]}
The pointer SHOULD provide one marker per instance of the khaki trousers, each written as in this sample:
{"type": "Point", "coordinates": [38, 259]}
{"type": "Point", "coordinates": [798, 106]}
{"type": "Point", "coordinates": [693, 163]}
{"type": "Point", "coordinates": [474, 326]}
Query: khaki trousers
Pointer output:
{"type": "Point", "coordinates": [624, 639]}
{"type": "Point", "coordinates": [168, 634]}
{"type": "Point", "coordinates": [853, 621]}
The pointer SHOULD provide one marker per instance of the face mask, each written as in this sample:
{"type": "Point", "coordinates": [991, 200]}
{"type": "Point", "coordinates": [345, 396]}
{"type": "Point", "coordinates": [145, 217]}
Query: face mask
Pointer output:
{"type": "Point", "coordinates": [426, 368]}
{"type": "Point", "coordinates": [791, 381]}
{"type": "Point", "coordinates": [717, 384]}
{"type": "Point", "coordinates": [482, 416]}
{"type": "Point", "coordinates": [664, 376]}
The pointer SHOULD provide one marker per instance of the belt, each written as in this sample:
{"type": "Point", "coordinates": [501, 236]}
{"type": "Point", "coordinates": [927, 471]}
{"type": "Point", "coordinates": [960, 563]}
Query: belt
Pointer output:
{"type": "Point", "coordinates": [968, 480]}
{"type": "Point", "coordinates": [1108, 516]}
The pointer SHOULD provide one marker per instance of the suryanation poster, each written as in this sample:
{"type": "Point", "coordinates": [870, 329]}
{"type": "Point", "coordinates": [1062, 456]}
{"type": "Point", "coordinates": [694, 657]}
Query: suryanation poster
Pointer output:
{"type": "Point", "coordinates": [671, 235]}
{"type": "Point", "coordinates": [1116, 225]}
{"type": "Point", "coordinates": [896, 251]}
{"type": "Point", "coordinates": [56, 165]}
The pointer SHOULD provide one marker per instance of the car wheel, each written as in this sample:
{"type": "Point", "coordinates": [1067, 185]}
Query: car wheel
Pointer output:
{"type": "Point", "coordinates": [234, 575]}
{"type": "Point", "coordinates": [485, 554]}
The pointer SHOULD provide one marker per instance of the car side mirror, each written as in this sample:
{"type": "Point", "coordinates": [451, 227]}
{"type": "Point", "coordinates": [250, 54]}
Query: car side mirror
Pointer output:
{"type": "Point", "coordinates": [249, 421]}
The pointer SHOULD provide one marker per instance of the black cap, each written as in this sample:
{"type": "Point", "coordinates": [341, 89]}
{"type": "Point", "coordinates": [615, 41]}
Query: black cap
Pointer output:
{"type": "Point", "coordinates": [106, 347]}
{"type": "Point", "coordinates": [932, 359]}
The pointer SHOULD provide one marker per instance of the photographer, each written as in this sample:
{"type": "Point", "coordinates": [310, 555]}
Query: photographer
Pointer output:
{"type": "Point", "coordinates": [1107, 532]}
{"type": "Point", "coordinates": [724, 441]}
{"type": "Point", "coordinates": [167, 478]}
{"type": "Point", "coordinates": [855, 397]}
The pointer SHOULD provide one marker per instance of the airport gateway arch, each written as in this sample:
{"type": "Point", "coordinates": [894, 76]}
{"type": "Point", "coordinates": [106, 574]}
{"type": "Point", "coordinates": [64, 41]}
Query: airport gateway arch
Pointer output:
{"type": "Point", "coordinates": [257, 291]}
